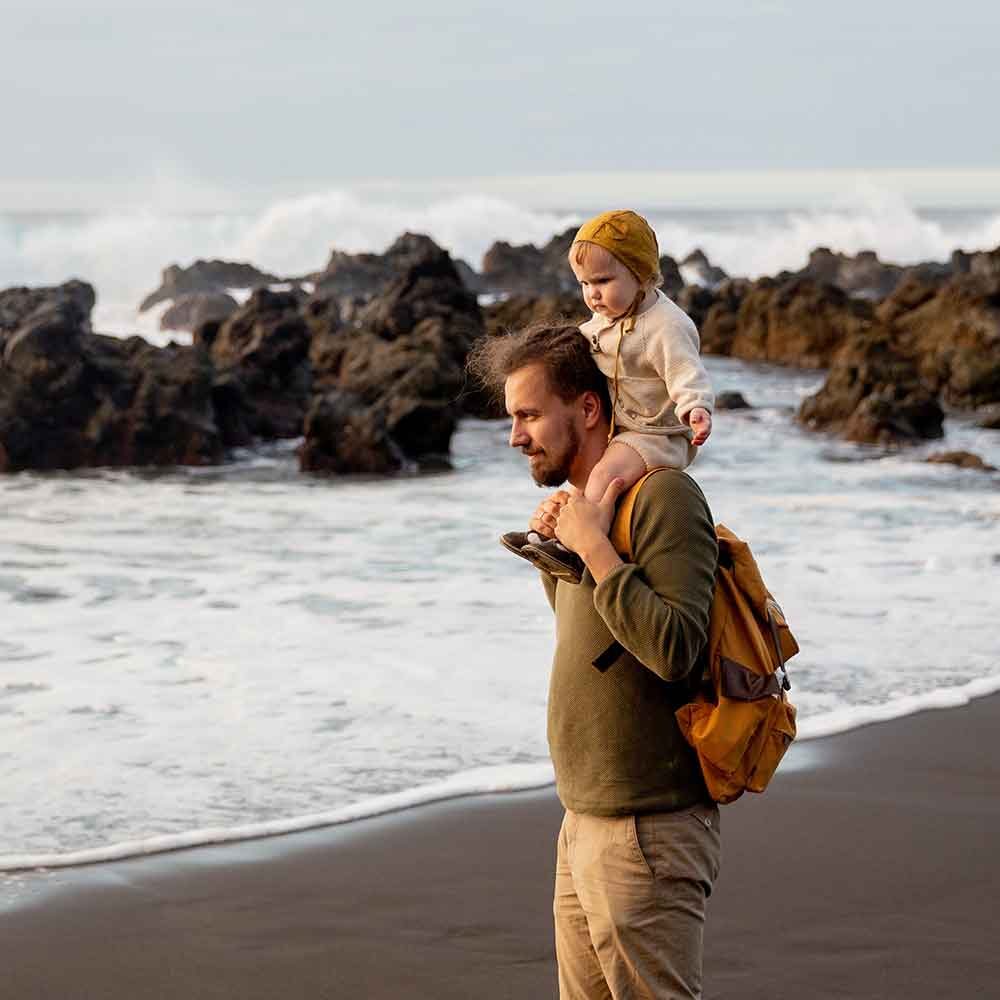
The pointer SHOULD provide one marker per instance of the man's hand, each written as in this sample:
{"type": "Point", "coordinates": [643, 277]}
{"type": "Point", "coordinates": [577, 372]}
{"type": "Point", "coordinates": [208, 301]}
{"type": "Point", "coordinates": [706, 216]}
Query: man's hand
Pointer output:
{"type": "Point", "coordinates": [544, 519]}
{"type": "Point", "coordinates": [582, 525]}
{"type": "Point", "coordinates": [700, 421]}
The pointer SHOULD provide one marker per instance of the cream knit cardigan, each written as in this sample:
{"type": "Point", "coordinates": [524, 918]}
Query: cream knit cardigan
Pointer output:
{"type": "Point", "coordinates": [660, 376]}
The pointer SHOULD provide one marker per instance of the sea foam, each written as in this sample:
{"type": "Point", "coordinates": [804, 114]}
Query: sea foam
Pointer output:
{"type": "Point", "coordinates": [481, 781]}
{"type": "Point", "coordinates": [123, 253]}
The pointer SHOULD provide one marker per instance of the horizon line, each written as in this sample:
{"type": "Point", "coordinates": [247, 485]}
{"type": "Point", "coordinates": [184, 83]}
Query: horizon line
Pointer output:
{"type": "Point", "coordinates": [173, 189]}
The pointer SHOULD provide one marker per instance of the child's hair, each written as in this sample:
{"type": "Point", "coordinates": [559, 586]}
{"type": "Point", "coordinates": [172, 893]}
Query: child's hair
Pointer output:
{"type": "Point", "coordinates": [561, 350]}
{"type": "Point", "coordinates": [582, 251]}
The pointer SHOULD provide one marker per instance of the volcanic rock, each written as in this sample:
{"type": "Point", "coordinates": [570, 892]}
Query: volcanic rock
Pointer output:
{"type": "Point", "coordinates": [981, 263]}
{"type": "Point", "coordinates": [731, 400]}
{"type": "Point", "coordinates": [530, 270]}
{"type": "Point", "coordinates": [520, 311]}
{"type": "Point", "coordinates": [193, 309]}
{"type": "Point", "coordinates": [263, 378]}
{"type": "Point", "coordinates": [672, 281]}
{"type": "Point", "coordinates": [697, 269]}
{"type": "Point", "coordinates": [988, 417]}
{"type": "Point", "coordinates": [797, 322]}
{"type": "Point", "coordinates": [874, 395]}
{"type": "Point", "coordinates": [963, 459]}
{"type": "Point", "coordinates": [206, 276]}
{"type": "Point", "coordinates": [72, 399]}
{"type": "Point", "coordinates": [954, 336]}
{"type": "Point", "coordinates": [17, 304]}
{"type": "Point", "coordinates": [390, 380]}
{"type": "Point", "coordinates": [863, 275]}
{"type": "Point", "coordinates": [719, 313]}
{"type": "Point", "coordinates": [696, 300]}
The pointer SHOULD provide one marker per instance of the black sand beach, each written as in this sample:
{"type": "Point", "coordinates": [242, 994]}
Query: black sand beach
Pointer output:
{"type": "Point", "coordinates": [870, 869]}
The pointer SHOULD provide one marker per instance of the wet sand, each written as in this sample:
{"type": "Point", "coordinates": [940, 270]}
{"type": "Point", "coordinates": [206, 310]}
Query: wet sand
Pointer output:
{"type": "Point", "coordinates": [869, 869]}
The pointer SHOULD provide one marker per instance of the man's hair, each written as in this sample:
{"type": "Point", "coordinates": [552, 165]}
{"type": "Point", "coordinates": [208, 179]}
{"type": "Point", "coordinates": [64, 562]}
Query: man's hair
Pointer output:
{"type": "Point", "coordinates": [561, 350]}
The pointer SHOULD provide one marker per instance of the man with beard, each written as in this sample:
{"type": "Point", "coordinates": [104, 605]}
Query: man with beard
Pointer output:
{"type": "Point", "coordinates": [639, 848]}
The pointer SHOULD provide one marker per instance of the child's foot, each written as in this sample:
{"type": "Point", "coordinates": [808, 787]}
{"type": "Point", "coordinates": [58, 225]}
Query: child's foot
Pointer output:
{"type": "Point", "coordinates": [555, 559]}
{"type": "Point", "coordinates": [515, 541]}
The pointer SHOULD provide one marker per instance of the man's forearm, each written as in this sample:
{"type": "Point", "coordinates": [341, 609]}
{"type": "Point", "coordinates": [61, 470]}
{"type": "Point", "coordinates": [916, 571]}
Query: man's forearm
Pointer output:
{"type": "Point", "coordinates": [600, 557]}
{"type": "Point", "coordinates": [657, 632]}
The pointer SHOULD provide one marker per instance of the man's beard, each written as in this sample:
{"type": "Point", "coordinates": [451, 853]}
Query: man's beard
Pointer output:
{"type": "Point", "coordinates": [553, 470]}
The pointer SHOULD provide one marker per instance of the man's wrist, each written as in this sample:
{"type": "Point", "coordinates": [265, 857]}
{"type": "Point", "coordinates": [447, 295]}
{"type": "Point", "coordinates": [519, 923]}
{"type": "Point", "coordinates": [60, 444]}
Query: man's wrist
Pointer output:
{"type": "Point", "coordinates": [600, 557]}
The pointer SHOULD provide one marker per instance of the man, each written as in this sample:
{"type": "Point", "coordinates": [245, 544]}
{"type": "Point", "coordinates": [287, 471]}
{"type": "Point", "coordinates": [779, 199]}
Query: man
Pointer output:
{"type": "Point", "coordinates": [639, 847]}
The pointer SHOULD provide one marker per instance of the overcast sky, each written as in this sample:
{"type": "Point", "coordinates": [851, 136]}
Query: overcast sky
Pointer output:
{"type": "Point", "coordinates": [256, 93]}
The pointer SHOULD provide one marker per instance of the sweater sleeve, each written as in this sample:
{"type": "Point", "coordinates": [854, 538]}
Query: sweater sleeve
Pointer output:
{"type": "Point", "coordinates": [658, 606]}
{"type": "Point", "coordinates": [674, 348]}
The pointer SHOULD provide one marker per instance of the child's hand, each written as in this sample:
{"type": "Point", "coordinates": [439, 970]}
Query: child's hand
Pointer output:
{"type": "Point", "coordinates": [700, 421]}
{"type": "Point", "coordinates": [544, 519]}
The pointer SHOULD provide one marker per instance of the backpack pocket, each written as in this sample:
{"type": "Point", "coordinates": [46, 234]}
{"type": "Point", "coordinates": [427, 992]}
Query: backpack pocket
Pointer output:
{"type": "Point", "coordinates": [724, 733]}
{"type": "Point", "coordinates": [780, 729]}
{"type": "Point", "coordinates": [739, 742]}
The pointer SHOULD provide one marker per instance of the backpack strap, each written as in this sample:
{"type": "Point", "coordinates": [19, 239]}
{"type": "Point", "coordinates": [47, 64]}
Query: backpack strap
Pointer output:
{"type": "Point", "coordinates": [621, 527]}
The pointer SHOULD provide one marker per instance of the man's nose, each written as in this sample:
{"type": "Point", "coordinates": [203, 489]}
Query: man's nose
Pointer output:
{"type": "Point", "coordinates": [518, 439]}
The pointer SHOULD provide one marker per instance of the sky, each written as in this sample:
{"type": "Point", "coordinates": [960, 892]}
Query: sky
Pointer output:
{"type": "Point", "coordinates": [254, 94]}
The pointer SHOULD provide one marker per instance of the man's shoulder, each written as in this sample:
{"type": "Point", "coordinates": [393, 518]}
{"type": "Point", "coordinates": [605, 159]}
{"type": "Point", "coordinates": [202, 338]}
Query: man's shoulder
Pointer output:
{"type": "Point", "coordinates": [670, 497]}
{"type": "Point", "coordinates": [670, 486]}
{"type": "Point", "coordinates": [671, 516]}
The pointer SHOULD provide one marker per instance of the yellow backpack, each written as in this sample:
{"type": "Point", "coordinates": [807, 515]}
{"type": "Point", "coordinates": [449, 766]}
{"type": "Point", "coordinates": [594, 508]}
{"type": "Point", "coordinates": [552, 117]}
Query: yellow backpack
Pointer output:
{"type": "Point", "coordinates": [740, 721]}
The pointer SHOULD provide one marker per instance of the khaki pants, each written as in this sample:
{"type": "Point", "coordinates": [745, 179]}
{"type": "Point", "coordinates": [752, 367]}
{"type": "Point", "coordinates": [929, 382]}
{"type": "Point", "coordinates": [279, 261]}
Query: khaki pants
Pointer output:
{"type": "Point", "coordinates": [630, 903]}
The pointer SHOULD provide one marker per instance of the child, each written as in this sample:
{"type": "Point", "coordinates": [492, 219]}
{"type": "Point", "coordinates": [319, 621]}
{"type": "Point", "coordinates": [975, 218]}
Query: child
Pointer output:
{"type": "Point", "coordinates": [648, 349]}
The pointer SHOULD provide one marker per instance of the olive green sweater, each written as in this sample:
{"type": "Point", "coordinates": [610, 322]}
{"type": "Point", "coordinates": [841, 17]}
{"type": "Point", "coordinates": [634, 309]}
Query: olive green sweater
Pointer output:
{"type": "Point", "coordinates": [614, 741]}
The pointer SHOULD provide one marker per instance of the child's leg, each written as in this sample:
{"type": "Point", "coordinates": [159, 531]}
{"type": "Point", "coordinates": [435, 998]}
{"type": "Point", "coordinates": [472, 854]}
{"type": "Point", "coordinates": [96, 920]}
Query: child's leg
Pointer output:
{"type": "Point", "coordinates": [620, 461]}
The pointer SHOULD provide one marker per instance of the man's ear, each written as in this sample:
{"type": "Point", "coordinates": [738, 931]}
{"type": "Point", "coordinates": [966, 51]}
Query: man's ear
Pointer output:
{"type": "Point", "coordinates": [590, 403]}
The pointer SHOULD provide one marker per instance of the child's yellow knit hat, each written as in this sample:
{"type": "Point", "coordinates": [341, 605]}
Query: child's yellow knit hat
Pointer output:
{"type": "Point", "coordinates": [626, 236]}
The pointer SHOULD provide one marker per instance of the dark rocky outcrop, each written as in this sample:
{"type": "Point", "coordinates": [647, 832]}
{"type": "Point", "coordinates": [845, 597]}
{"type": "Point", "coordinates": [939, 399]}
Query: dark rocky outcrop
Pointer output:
{"type": "Point", "coordinates": [263, 378]}
{"type": "Point", "coordinates": [520, 311]}
{"type": "Point", "coordinates": [365, 275]}
{"type": "Point", "coordinates": [797, 322]}
{"type": "Point", "coordinates": [865, 276]}
{"type": "Point", "coordinates": [194, 309]}
{"type": "Point", "coordinates": [389, 382]}
{"type": "Point", "coordinates": [206, 276]}
{"type": "Point", "coordinates": [954, 337]}
{"type": "Point", "coordinates": [718, 313]}
{"type": "Point", "coordinates": [980, 264]}
{"type": "Point", "coordinates": [17, 304]}
{"type": "Point", "coordinates": [874, 395]}
{"type": "Point", "coordinates": [72, 399]}
{"type": "Point", "coordinates": [731, 400]}
{"type": "Point", "coordinates": [530, 270]}
{"type": "Point", "coordinates": [672, 281]}
{"type": "Point", "coordinates": [962, 459]}
{"type": "Point", "coordinates": [988, 417]}
{"type": "Point", "coordinates": [701, 271]}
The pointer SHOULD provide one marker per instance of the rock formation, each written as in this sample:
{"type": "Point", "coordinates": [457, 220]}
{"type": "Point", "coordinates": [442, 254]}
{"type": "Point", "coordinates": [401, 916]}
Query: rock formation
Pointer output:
{"type": "Point", "coordinates": [70, 398]}
{"type": "Point", "coordinates": [206, 276]}
{"type": "Point", "coordinates": [389, 382]}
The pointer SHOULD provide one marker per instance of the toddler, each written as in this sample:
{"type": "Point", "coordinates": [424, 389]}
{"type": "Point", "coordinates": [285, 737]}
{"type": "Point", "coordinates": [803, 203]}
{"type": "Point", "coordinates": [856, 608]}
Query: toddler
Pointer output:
{"type": "Point", "coordinates": [648, 349]}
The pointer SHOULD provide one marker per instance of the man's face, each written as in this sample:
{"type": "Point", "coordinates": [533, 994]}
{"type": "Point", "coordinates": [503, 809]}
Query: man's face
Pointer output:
{"type": "Point", "coordinates": [542, 425]}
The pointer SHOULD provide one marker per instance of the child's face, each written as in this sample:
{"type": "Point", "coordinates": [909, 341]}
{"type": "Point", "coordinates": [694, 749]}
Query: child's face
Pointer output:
{"type": "Point", "coordinates": [609, 287]}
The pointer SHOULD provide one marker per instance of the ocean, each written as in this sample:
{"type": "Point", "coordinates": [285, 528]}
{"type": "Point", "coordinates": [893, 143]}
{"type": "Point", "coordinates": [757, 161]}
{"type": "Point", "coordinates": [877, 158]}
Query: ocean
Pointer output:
{"type": "Point", "coordinates": [193, 655]}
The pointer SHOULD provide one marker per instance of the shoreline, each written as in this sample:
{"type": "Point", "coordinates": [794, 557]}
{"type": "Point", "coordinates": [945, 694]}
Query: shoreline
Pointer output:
{"type": "Point", "coordinates": [862, 872]}
{"type": "Point", "coordinates": [462, 787]}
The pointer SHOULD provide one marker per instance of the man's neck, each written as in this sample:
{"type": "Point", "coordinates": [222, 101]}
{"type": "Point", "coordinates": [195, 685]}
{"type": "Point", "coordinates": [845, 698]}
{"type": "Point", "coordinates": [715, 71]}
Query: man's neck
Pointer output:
{"type": "Point", "coordinates": [592, 447]}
